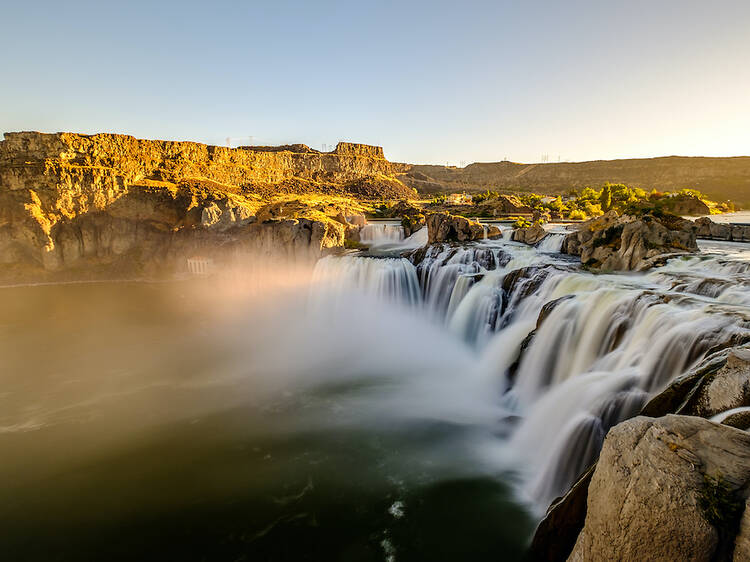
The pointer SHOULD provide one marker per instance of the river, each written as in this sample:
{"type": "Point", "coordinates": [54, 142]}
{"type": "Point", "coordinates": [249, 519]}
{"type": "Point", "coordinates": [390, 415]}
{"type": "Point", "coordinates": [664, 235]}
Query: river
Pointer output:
{"type": "Point", "coordinates": [365, 409]}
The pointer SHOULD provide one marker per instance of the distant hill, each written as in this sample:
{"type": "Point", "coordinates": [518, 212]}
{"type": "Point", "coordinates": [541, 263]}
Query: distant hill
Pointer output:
{"type": "Point", "coordinates": [719, 178]}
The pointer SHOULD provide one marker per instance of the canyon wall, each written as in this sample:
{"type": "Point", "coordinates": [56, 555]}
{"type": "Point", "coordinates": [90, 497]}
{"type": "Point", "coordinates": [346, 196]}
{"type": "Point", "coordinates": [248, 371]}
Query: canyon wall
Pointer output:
{"type": "Point", "coordinates": [719, 178]}
{"type": "Point", "coordinates": [68, 200]}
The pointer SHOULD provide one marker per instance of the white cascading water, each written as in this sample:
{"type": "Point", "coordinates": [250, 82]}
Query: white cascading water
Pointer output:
{"type": "Point", "coordinates": [381, 233]}
{"type": "Point", "coordinates": [416, 240]}
{"type": "Point", "coordinates": [568, 353]}
{"type": "Point", "coordinates": [719, 418]}
{"type": "Point", "coordinates": [552, 243]}
{"type": "Point", "coordinates": [392, 279]}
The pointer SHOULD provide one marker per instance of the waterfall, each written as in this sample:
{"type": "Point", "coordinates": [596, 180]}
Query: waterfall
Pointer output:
{"type": "Point", "coordinates": [719, 418]}
{"type": "Point", "coordinates": [567, 354]}
{"type": "Point", "coordinates": [389, 279]}
{"type": "Point", "coordinates": [416, 240]}
{"type": "Point", "coordinates": [381, 233]}
{"type": "Point", "coordinates": [552, 243]}
{"type": "Point", "coordinates": [598, 356]}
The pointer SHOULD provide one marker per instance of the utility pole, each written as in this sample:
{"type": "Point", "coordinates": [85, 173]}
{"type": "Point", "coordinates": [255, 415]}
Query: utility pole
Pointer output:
{"type": "Point", "coordinates": [232, 139]}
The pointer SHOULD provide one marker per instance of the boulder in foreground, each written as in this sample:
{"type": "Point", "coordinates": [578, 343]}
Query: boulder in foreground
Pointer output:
{"type": "Point", "coordinates": [672, 488]}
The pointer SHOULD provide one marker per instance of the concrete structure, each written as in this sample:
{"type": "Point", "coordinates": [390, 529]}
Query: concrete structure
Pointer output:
{"type": "Point", "coordinates": [198, 265]}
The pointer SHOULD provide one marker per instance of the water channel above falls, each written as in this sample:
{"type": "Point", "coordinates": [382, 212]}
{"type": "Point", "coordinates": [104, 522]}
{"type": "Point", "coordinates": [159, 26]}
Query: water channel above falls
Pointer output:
{"type": "Point", "coordinates": [396, 404]}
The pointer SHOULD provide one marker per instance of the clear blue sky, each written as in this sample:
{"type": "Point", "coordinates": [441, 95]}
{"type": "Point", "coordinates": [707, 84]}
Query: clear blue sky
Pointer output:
{"type": "Point", "coordinates": [432, 82]}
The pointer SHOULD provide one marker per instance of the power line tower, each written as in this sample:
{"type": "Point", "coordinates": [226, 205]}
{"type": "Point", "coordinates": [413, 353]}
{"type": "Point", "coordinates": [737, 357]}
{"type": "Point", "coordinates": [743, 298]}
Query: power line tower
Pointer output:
{"type": "Point", "coordinates": [230, 140]}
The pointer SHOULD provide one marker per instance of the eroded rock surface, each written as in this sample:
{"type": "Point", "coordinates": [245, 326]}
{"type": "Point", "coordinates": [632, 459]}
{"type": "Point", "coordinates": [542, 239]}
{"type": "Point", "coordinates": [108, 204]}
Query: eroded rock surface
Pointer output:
{"type": "Point", "coordinates": [444, 227]}
{"type": "Point", "coordinates": [646, 500]}
{"type": "Point", "coordinates": [530, 235]}
{"type": "Point", "coordinates": [627, 243]}
{"type": "Point", "coordinates": [69, 200]}
{"type": "Point", "coordinates": [706, 228]}
{"type": "Point", "coordinates": [727, 388]}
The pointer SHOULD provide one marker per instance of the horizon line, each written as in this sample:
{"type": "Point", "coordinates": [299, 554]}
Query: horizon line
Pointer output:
{"type": "Point", "coordinates": [446, 165]}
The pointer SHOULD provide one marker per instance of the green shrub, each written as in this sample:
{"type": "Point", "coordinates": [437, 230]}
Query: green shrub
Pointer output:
{"type": "Point", "coordinates": [350, 244]}
{"type": "Point", "coordinates": [577, 215]}
{"type": "Point", "coordinates": [720, 504]}
{"type": "Point", "coordinates": [486, 196]}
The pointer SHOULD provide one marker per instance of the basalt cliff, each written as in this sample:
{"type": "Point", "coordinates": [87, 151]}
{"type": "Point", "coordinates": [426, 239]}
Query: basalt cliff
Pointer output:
{"type": "Point", "coordinates": [72, 201]}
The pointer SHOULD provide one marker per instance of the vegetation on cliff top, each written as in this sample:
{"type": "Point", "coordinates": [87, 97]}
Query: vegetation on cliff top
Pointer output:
{"type": "Point", "coordinates": [592, 202]}
{"type": "Point", "coordinates": [719, 178]}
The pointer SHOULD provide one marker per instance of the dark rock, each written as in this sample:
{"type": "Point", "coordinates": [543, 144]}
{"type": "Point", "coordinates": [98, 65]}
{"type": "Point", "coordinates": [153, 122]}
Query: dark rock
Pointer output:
{"type": "Point", "coordinates": [530, 235]}
{"type": "Point", "coordinates": [627, 243]}
{"type": "Point", "coordinates": [556, 534]}
{"type": "Point", "coordinates": [444, 227]}
{"type": "Point", "coordinates": [740, 420]}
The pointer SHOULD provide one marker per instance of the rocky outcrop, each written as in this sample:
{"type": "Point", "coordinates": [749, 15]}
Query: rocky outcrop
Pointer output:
{"type": "Point", "coordinates": [727, 388]}
{"type": "Point", "coordinates": [671, 488]}
{"type": "Point", "coordinates": [412, 217]}
{"type": "Point", "coordinates": [503, 205]}
{"type": "Point", "coordinates": [716, 384]}
{"type": "Point", "coordinates": [627, 243]}
{"type": "Point", "coordinates": [444, 227]}
{"type": "Point", "coordinates": [68, 199]}
{"type": "Point", "coordinates": [148, 232]}
{"type": "Point", "coordinates": [719, 383]}
{"type": "Point", "coordinates": [707, 229]}
{"type": "Point", "coordinates": [686, 205]}
{"type": "Point", "coordinates": [529, 235]}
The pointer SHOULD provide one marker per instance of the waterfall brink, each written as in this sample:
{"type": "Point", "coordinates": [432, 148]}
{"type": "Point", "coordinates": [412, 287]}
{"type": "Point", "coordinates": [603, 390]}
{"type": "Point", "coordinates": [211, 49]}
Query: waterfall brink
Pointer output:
{"type": "Point", "coordinates": [389, 279]}
{"type": "Point", "coordinates": [443, 266]}
{"type": "Point", "coordinates": [377, 234]}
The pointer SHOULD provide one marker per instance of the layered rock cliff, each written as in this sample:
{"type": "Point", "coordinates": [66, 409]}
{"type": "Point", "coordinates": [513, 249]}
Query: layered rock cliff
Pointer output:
{"type": "Point", "coordinates": [68, 199]}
